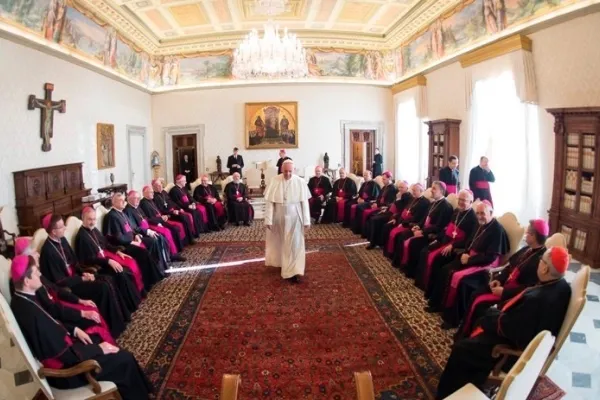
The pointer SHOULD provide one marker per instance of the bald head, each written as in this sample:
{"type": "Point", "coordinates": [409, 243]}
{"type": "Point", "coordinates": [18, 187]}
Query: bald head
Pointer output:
{"type": "Point", "coordinates": [484, 213]}
{"type": "Point", "coordinates": [318, 171]}
{"type": "Point", "coordinates": [342, 173]}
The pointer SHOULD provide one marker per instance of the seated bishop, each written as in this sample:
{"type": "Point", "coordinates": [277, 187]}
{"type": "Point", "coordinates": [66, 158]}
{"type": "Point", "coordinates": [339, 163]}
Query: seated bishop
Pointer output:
{"type": "Point", "coordinates": [157, 219]}
{"type": "Point", "coordinates": [207, 195]}
{"type": "Point", "coordinates": [384, 201]}
{"type": "Point", "coordinates": [117, 229]}
{"type": "Point", "coordinates": [514, 324]}
{"type": "Point", "coordinates": [182, 198]}
{"type": "Point", "coordinates": [69, 308]}
{"type": "Point", "coordinates": [448, 243]}
{"type": "Point", "coordinates": [344, 189]}
{"type": "Point", "coordinates": [170, 243]}
{"type": "Point", "coordinates": [519, 274]}
{"type": "Point", "coordinates": [378, 223]}
{"type": "Point", "coordinates": [59, 264]}
{"type": "Point", "coordinates": [430, 225]}
{"type": "Point", "coordinates": [168, 208]}
{"type": "Point", "coordinates": [368, 192]}
{"type": "Point", "coordinates": [238, 208]}
{"type": "Point", "coordinates": [60, 346]}
{"type": "Point", "coordinates": [487, 244]}
{"type": "Point", "coordinates": [319, 187]}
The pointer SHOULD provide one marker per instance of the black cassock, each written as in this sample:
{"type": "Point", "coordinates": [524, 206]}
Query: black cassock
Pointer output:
{"type": "Point", "coordinates": [182, 198]}
{"type": "Point", "coordinates": [52, 344]}
{"type": "Point", "coordinates": [318, 186]}
{"type": "Point", "coordinates": [450, 177]}
{"type": "Point", "coordinates": [538, 308]}
{"type": "Point", "coordinates": [479, 183]}
{"type": "Point", "coordinates": [117, 229]}
{"type": "Point", "coordinates": [166, 206]}
{"type": "Point", "coordinates": [59, 264]}
{"type": "Point", "coordinates": [487, 244]}
{"type": "Point", "coordinates": [437, 218]}
{"type": "Point", "coordinates": [280, 163]}
{"type": "Point", "coordinates": [217, 217]}
{"type": "Point", "coordinates": [157, 246]}
{"type": "Point", "coordinates": [519, 274]}
{"type": "Point", "coordinates": [377, 223]}
{"type": "Point", "coordinates": [155, 218]}
{"type": "Point", "coordinates": [235, 160]}
{"type": "Point", "coordinates": [394, 234]}
{"type": "Point", "coordinates": [188, 168]}
{"type": "Point", "coordinates": [334, 210]}
{"type": "Point", "coordinates": [377, 165]}
{"type": "Point", "coordinates": [364, 211]}
{"type": "Point", "coordinates": [90, 247]}
{"type": "Point", "coordinates": [457, 233]}
{"type": "Point", "coordinates": [368, 192]}
{"type": "Point", "coordinates": [238, 211]}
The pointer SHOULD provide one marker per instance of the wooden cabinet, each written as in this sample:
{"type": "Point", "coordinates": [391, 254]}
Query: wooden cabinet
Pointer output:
{"type": "Point", "coordinates": [575, 209]}
{"type": "Point", "coordinates": [40, 191]}
{"type": "Point", "coordinates": [444, 141]}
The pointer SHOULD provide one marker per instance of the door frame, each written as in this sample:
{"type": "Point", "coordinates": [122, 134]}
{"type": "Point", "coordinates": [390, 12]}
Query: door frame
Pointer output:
{"type": "Point", "coordinates": [137, 131]}
{"type": "Point", "coordinates": [169, 132]}
{"type": "Point", "coordinates": [347, 126]}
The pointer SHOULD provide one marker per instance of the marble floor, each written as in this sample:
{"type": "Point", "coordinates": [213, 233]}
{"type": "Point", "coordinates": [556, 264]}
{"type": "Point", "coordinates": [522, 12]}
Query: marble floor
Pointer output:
{"type": "Point", "coordinates": [577, 368]}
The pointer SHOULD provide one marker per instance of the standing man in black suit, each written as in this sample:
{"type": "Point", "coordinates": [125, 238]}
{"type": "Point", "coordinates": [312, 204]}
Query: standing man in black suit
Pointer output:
{"type": "Point", "coordinates": [235, 162]}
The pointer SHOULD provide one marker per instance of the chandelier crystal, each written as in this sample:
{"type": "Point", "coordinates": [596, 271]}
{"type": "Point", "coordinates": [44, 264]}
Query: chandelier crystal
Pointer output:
{"type": "Point", "coordinates": [272, 55]}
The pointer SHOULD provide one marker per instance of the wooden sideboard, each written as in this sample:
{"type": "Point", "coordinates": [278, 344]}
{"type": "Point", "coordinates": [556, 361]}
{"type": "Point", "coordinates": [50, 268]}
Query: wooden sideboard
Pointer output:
{"type": "Point", "coordinates": [40, 191]}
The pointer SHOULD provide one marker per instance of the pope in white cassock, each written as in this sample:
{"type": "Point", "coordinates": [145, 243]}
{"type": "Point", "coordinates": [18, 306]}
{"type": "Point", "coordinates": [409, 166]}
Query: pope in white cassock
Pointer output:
{"type": "Point", "coordinates": [287, 215]}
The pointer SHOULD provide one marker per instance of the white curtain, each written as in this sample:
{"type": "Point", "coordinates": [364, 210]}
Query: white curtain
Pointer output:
{"type": "Point", "coordinates": [506, 130]}
{"type": "Point", "coordinates": [411, 140]}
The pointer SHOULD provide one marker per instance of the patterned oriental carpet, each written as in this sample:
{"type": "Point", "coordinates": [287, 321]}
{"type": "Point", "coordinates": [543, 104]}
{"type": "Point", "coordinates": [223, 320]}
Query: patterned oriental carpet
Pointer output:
{"type": "Point", "coordinates": [352, 312]}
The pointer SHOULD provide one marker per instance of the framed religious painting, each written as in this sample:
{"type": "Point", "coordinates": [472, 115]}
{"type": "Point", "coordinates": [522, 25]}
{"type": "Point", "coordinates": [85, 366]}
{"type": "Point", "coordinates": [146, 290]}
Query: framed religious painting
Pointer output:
{"type": "Point", "coordinates": [271, 125]}
{"type": "Point", "coordinates": [105, 145]}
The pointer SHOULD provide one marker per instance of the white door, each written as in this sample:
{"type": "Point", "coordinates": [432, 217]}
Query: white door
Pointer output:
{"type": "Point", "coordinates": [137, 158]}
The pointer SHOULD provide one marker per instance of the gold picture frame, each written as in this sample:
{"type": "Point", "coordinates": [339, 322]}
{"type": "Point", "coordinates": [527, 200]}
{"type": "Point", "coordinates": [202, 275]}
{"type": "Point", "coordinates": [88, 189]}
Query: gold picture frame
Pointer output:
{"type": "Point", "coordinates": [271, 125]}
{"type": "Point", "coordinates": [105, 145]}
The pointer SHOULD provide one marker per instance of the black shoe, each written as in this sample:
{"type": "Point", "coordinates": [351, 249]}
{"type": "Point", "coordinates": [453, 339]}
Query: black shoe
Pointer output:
{"type": "Point", "coordinates": [178, 258]}
{"type": "Point", "coordinates": [371, 247]}
{"type": "Point", "coordinates": [446, 325]}
{"type": "Point", "coordinates": [295, 279]}
{"type": "Point", "coordinates": [246, 223]}
{"type": "Point", "coordinates": [432, 309]}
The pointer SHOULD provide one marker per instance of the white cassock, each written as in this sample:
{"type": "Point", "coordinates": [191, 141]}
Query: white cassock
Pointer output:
{"type": "Point", "coordinates": [287, 212]}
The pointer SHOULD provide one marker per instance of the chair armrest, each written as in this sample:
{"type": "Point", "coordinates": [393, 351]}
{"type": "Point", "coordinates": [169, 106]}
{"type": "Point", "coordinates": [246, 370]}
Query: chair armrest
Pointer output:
{"type": "Point", "coordinates": [87, 367]}
{"type": "Point", "coordinates": [502, 351]}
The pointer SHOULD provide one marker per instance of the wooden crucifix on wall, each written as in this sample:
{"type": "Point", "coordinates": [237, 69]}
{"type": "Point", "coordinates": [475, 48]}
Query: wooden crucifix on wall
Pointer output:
{"type": "Point", "coordinates": [47, 106]}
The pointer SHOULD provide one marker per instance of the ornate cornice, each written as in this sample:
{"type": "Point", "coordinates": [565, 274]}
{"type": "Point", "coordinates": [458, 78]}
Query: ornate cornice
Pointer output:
{"type": "Point", "coordinates": [418, 80]}
{"type": "Point", "coordinates": [496, 49]}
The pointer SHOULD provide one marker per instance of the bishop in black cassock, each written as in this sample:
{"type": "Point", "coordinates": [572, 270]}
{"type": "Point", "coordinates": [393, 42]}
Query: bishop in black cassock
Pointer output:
{"type": "Point", "coordinates": [168, 208]}
{"type": "Point", "coordinates": [377, 223]}
{"type": "Point", "coordinates": [238, 208]}
{"type": "Point", "coordinates": [208, 196]}
{"type": "Point", "coordinates": [319, 187]}
{"type": "Point", "coordinates": [479, 181]}
{"type": "Point", "coordinates": [368, 192]}
{"type": "Point", "coordinates": [282, 158]}
{"type": "Point", "coordinates": [514, 323]}
{"type": "Point", "coordinates": [155, 218]}
{"type": "Point", "coordinates": [184, 201]}
{"type": "Point", "coordinates": [119, 232]}
{"type": "Point", "coordinates": [344, 189]}
{"type": "Point", "coordinates": [59, 264]}
{"type": "Point", "coordinates": [58, 346]}
{"type": "Point", "coordinates": [364, 211]}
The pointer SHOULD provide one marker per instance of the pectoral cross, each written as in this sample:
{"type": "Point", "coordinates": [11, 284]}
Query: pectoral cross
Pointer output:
{"type": "Point", "coordinates": [454, 234]}
{"type": "Point", "coordinates": [47, 106]}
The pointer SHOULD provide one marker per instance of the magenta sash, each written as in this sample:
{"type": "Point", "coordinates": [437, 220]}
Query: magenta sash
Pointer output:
{"type": "Point", "coordinates": [144, 224]}
{"type": "Point", "coordinates": [393, 233]}
{"type": "Point", "coordinates": [203, 212]}
{"type": "Point", "coordinates": [167, 234]}
{"type": "Point", "coordinates": [405, 213]}
{"type": "Point", "coordinates": [341, 205]}
{"type": "Point", "coordinates": [393, 208]}
{"type": "Point", "coordinates": [487, 297]}
{"type": "Point", "coordinates": [55, 363]}
{"type": "Point", "coordinates": [127, 227]}
{"type": "Point", "coordinates": [353, 211]}
{"type": "Point", "coordinates": [406, 245]}
{"type": "Point", "coordinates": [365, 195]}
{"type": "Point", "coordinates": [459, 275]}
{"type": "Point", "coordinates": [130, 264]}
{"type": "Point", "coordinates": [190, 218]}
{"type": "Point", "coordinates": [482, 184]}
{"type": "Point", "coordinates": [451, 189]}
{"type": "Point", "coordinates": [460, 235]}
{"type": "Point", "coordinates": [365, 214]}
{"type": "Point", "coordinates": [219, 209]}
{"type": "Point", "coordinates": [427, 222]}
{"type": "Point", "coordinates": [185, 199]}
{"type": "Point", "coordinates": [318, 191]}
{"type": "Point", "coordinates": [180, 228]}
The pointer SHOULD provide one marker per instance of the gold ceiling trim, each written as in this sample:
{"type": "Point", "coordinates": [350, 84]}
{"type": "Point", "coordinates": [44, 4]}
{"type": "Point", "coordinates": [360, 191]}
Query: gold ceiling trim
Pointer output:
{"type": "Point", "coordinates": [496, 49]}
{"type": "Point", "coordinates": [417, 80]}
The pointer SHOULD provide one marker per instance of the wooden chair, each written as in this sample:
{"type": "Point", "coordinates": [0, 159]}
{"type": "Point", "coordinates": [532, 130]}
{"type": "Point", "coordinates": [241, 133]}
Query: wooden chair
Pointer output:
{"type": "Point", "coordinates": [252, 177]}
{"type": "Point", "coordinates": [72, 225]}
{"type": "Point", "coordinates": [521, 378]}
{"type": "Point", "coordinates": [39, 237]}
{"type": "Point", "coordinates": [556, 240]}
{"type": "Point", "coordinates": [169, 187]}
{"type": "Point", "coordinates": [93, 390]}
{"type": "Point", "coordinates": [194, 185]}
{"type": "Point", "coordinates": [514, 231]}
{"type": "Point", "coordinates": [364, 385]}
{"type": "Point", "coordinates": [230, 387]}
{"type": "Point", "coordinates": [452, 199]}
{"type": "Point", "coordinates": [100, 214]}
{"type": "Point", "coordinates": [5, 278]}
{"type": "Point", "coordinates": [358, 180]}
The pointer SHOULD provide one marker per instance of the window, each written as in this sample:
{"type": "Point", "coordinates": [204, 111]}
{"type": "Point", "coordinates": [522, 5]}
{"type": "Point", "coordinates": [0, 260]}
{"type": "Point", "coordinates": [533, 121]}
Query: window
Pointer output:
{"type": "Point", "coordinates": [506, 131]}
{"type": "Point", "coordinates": [411, 144]}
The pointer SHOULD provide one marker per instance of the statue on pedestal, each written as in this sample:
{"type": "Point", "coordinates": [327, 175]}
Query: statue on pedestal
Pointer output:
{"type": "Point", "coordinates": [219, 165]}
{"type": "Point", "coordinates": [326, 161]}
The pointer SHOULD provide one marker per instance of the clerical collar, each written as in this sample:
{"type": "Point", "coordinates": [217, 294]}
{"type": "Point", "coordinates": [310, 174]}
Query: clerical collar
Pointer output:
{"type": "Point", "coordinates": [131, 205]}
{"type": "Point", "coordinates": [25, 293]}
{"type": "Point", "coordinates": [54, 240]}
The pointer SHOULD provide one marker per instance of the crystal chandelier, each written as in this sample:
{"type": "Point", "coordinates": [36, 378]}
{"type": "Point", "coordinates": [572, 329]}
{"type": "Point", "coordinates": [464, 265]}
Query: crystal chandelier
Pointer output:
{"type": "Point", "coordinates": [273, 55]}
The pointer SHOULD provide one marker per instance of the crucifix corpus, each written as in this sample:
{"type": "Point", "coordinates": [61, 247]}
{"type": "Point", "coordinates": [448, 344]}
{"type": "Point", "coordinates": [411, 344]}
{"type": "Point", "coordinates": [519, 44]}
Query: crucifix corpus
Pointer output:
{"type": "Point", "coordinates": [47, 106]}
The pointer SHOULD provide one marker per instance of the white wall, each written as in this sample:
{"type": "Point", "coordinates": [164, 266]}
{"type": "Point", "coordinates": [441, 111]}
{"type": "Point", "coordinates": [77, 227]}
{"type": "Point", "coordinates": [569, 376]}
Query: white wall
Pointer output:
{"type": "Point", "coordinates": [321, 108]}
{"type": "Point", "coordinates": [91, 98]}
{"type": "Point", "coordinates": [567, 60]}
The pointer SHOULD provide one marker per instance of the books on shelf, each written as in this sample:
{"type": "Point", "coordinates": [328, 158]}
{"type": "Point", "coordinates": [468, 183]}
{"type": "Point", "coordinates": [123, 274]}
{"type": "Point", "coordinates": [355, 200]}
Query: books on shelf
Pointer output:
{"type": "Point", "coordinates": [587, 186]}
{"type": "Point", "coordinates": [566, 231]}
{"type": "Point", "coordinates": [573, 139]}
{"type": "Point", "coordinates": [580, 238]}
{"type": "Point", "coordinates": [569, 201]}
{"type": "Point", "coordinates": [573, 157]}
{"type": "Point", "coordinates": [589, 140]}
{"type": "Point", "coordinates": [585, 204]}
{"type": "Point", "coordinates": [571, 180]}
{"type": "Point", "coordinates": [589, 158]}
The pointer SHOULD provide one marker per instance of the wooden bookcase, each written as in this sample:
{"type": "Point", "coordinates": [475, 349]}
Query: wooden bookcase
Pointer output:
{"type": "Point", "coordinates": [444, 141]}
{"type": "Point", "coordinates": [575, 210]}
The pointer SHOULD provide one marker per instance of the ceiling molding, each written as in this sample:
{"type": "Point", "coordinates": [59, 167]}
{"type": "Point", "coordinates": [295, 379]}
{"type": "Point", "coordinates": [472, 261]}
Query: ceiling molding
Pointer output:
{"type": "Point", "coordinates": [496, 49]}
{"type": "Point", "coordinates": [418, 80]}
